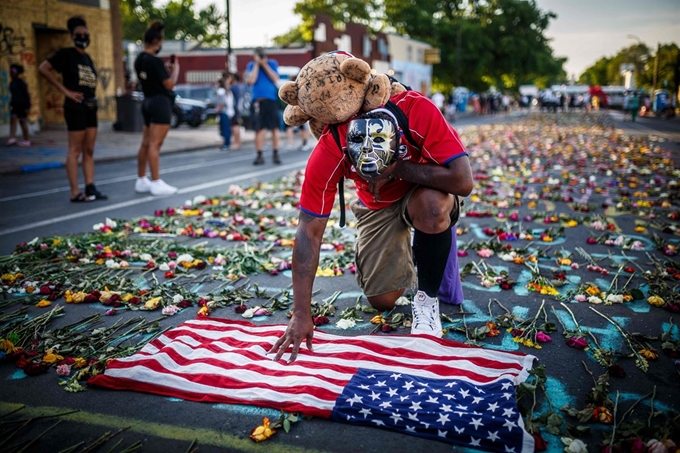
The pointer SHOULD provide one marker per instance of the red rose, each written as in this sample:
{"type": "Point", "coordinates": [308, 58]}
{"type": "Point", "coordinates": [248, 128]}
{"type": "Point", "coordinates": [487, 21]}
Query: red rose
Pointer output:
{"type": "Point", "coordinates": [321, 320]}
{"type": "Point", "coordinates": [90, 298]}
{"type": "Point", "coordinates": [96, 294]}
{"type": "Point", "coordinates": [240, 308]}
{"type": "Point", "coordinates": [577, 343]}
{"type": "Point", "coordinates": [386, 328]}
{"type": "Point", "coordinates": [169, 274]}
{"type": "Point", "coordinates": [185, 303]}
{"type": "Point", "coordinates": [201, 265]}
{"type": "Point", "coordinates": [616, 371]}
{"type": "Point", "coordinates": [539, 443]}
{"type": "Point", "coordinates": [135, 300]}
{"type": "Point", "coordinates": [34, 369]}
{"type": "Point", "coordinates": [591, 241]}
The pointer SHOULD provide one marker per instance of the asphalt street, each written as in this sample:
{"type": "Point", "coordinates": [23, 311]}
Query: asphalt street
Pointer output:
{"type": "Point", "coordinates": [36, 205]}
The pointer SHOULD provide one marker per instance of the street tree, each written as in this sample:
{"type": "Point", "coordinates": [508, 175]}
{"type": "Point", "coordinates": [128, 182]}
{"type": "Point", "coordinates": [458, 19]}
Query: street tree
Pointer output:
{"type": "Point", "coordinates": [181, 18]}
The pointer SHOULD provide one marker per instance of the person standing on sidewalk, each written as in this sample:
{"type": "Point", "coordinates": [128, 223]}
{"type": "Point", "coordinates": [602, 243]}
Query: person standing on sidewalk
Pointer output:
{"type": "Point", "coordinates": [238, 91]}
{"type": "Point", "coordinates": [263, 76]}
{"type": "Point", "coordinates": [634, 106]}
{"type": "Point", "coordinates": [225, 109]}
{"type": "Point", "coordinates": [79, 82]}
{"type": "Point", "coordinates": [157, 85]}
{"type": "Point", "coordinates": [19, 105]}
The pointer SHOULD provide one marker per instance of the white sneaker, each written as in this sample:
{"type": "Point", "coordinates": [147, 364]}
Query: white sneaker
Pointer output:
{"type": "Point", "coordinates": [426, 318]}
{"type": "Point", "coordinates": [143, 185]}
{"type": "Point", "coordinates": [160, 187]}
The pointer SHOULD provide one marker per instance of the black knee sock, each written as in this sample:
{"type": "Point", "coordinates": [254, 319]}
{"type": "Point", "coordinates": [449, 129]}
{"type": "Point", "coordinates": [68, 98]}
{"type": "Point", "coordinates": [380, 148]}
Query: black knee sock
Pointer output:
{"type": "Point", "coordinates": [431, 252]}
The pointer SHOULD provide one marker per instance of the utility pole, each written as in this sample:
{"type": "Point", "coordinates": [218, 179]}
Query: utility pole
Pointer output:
{"type": "Point", "coordinates": [117, 44]}
{"type": "Point", "coordinates": [228, 63]}
{"type": "Point", "coordinates": [656, 68]}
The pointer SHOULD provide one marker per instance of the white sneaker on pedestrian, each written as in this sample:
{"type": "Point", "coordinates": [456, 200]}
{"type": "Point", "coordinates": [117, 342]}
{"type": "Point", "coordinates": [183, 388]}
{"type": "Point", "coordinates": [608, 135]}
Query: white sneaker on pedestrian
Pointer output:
{"type": "Point", "coordinates": [143, 185]}
{"type": "Point", "coordinates": [426, 317]}
{"type": "Point", "coordinates": [160, 187]}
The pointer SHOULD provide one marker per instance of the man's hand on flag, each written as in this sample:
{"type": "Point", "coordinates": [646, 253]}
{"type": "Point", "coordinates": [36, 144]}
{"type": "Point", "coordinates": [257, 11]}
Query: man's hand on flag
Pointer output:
{"type": "Point", "coordinates": [300, 328]}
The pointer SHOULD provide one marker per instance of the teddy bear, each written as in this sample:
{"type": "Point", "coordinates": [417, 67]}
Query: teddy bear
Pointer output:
{"type": "Point", "coordinates": [331, 89]}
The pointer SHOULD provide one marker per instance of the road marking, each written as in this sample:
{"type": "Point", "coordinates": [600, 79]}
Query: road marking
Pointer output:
{"type": "Point", "coordinates": [137, 201]}
{"type": "Point", "coordinates": [180, 168]}
{"type": "Point", "coordinates": [205, 436]}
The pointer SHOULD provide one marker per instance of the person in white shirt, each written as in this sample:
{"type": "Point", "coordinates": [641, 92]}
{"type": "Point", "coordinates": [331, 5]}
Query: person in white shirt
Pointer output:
{"type": "Point", "coordinates": [439, 100]}
{"type": "Point", "coordinates": [225, 109]}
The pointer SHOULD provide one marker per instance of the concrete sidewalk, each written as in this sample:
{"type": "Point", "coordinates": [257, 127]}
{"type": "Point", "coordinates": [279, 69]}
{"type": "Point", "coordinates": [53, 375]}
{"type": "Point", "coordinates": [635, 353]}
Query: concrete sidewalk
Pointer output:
{"type": "Point", "coordinates": [48, 147]}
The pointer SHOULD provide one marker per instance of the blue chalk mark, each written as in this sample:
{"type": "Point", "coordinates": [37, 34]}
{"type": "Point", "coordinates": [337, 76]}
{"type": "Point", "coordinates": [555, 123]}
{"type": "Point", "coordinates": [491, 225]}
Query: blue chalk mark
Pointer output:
{"type": "Point", "coordinates": [248, 410]}
{"type": "Point", "coordinates": [478, 287]}
{"type": "Point", "coordinates": [18, 374]}
{"type": "Point", "coordinates": [175, 400]}
{"type": "Point", "coordinates": [40, 167]}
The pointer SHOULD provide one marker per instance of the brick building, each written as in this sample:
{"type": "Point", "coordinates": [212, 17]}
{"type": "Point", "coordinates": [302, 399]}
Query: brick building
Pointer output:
{"type": "Point", "coordinates": [31, 30]}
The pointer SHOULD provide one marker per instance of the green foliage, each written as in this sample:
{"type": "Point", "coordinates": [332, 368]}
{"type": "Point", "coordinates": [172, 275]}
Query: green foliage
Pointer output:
{"type": "Point", "coordinates": [181, 19]}
{"type": "Point", "coordinates": [607, 70]}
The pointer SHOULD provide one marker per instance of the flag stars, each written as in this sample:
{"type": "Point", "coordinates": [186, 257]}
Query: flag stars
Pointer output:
{"type": "Point", "coordinates": [364, 387]}
{"type": "Point", "coordinates": [441, 433]}
{"type": "Point", "coordinates": [506, 385]}
{"type": "Point", "coordinates": [461, 407]}
{"type": "Point", "coordinates": [464, 393]}
{"type": "Point", "coordinates": [449, 397]}
{"type": "Point", "coordinates": [408, 385]}
{"type": "Point", "coordinates": [410, 429]}
{"type": "Point", "coordinates": [432, 399]}
{"type": "Point", "coordinates": [446, 408]}
{"type": "Point", "coordinates": [477, 422]}
{"type": "Point", "coordinates": [420, 391]}
{"type": "Point", "coordinates": [392, 392]}
{"type": "Point", "coordinates": [493, 436]}
{"type": "Point", "coordinates": [507, 396]}
{"type": "Point", "coordinates": [475, 442]}
{"type": "Point", "coordinates": [396, 417]}
{"type": "Point", "coordinates": [385, 404]}
{"type": "Point", "coordinates": [356, 399]}
{"type": "Point", "coordinates": [493, 406]}
{"type": "Point", "coordinates": [459, 430]}
{"type": "Point", "coordinates": [413, 417]}
{"type": "Point", "coordinates": [395, 376]}
{"type": "Point", "coordinates": [381, 384]}
{"type": "Point", "coordinates": [378, 422]}
{"type": "Point", "coordinates": [509, 449]}
{"type": "Point", "coordinates": [450, 384]}
{"type": "Point", "coordinates": [366, 412]}
{"type": "Point", "coordinates": [374, 396]}
{"type": "Point", "coordinates": [508, 412]}
{"type": "Point", "coordinates": [403, 398]}
{"type": "Point", "coordinates": [443, 418]}
{"type": "Point", "coordinates": [510, 425]}
{"type": "Point", "coordinates": [477, 400]}
{"type": "Point", "coordinates": [415, 406]}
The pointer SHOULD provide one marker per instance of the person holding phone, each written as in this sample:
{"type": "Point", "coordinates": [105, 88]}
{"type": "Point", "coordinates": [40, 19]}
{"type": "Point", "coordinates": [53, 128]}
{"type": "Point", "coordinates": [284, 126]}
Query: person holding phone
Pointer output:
{"type": "Point", "coordinates": [157, 82]}
{"type": "Point", "coordinates": [263, 76]}
{"type": "Point", "coordinates": [79, 82]}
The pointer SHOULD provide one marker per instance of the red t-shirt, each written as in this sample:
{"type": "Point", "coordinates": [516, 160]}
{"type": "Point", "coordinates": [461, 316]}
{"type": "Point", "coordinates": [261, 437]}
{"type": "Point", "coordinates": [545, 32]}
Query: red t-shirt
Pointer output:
{"type": "Point", "coordinates": [438, 141]}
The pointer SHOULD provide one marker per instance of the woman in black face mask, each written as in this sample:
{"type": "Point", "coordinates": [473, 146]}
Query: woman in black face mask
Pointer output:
{"type": "Point", "coordinates": [157, 82]}
{"type": "Point", "coordinates": [79, 82]}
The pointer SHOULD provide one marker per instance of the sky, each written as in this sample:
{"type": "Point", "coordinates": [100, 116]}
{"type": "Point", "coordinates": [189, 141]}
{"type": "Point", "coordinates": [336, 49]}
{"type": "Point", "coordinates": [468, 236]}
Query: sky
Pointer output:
{"type": "Point", "coordinates": [584, 30]}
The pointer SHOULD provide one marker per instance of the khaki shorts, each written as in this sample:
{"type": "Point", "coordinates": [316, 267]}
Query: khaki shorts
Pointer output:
{"type": "Point", "coordinates": [383, 254]}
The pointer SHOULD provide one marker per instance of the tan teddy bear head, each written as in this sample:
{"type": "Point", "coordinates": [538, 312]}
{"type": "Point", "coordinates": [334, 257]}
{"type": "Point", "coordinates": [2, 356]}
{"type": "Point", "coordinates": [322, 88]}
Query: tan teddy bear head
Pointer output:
{"type": "Point", "coordinates": [331, 89]}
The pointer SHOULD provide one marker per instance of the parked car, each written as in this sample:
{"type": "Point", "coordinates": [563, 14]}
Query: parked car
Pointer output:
{"type": "Point", "coordinates": [205, 93]}
{"type": "Point", "coordinates": [188, 111]}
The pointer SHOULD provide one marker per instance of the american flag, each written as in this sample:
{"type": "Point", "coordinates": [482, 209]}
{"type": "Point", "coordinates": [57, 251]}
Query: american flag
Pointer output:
{"type": "Point", "coordinates": [415, 384]}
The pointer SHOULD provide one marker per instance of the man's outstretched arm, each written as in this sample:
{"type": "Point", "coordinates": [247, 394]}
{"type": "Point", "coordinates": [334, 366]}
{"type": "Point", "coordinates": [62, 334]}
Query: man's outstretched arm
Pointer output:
{"type": "Point", "coordinates": [305, 262]}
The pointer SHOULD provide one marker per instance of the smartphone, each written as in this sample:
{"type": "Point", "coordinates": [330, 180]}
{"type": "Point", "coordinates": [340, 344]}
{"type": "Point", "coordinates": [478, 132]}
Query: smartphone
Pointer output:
{"type": "Point", "coordinates": [172, 59]}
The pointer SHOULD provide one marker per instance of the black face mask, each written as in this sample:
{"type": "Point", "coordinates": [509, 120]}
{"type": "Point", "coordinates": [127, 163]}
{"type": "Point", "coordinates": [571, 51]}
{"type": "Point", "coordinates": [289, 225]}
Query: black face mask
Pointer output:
{"type": "Point", "coordinates": [159, 49]}
{"type": "Point", "coordinates": [82, 41]}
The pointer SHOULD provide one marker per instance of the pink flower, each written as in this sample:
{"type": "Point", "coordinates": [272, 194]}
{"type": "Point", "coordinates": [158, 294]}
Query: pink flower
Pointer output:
{"type": "Point", "coordinates": [577, 343]}
{"type": "Point", "coordinates": [170, 310]}
{"type": "Point", "coordinates": [485, 253]}
{"type": "Point", "coordinates": [462, 253]}
{"type": "Point", "coordinates": [63, 370]}
{"type": "Point", "coordinates": [574, 266]}
{"type": "Point", "coordinates": [543, 337]}
{"type": "Point", "coordinates": [580, 298]}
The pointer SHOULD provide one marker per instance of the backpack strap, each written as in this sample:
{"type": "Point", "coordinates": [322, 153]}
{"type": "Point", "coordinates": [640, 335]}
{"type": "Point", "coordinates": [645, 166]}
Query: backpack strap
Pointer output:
{"type": "Point", "coordinates": [341, 182]}
{"type": "Point", "coordinates": [403, 122]}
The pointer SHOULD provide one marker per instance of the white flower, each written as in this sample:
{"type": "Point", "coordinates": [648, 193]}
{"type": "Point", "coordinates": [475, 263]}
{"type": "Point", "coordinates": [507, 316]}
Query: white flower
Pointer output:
{"type": "Point", "coordinates": [112, 264]}
{"type": "Point", "coordinates": [97, 226]}
{"type": "Point", "coordinates": [507, 256]}
{"type": "Point", "coordinates": [184, 257]}
{"type": "Point", "coordinates": [345, 324]}
{"type": "Point", "coordinates": [619, 240]}
{"type": "Point", "coordinates": [614, 299]}
{"type": "Point", "coordinates": [207, 214]}
{"type": "Point", "coordinates": [249, 313]}
{"type": "Point", "coordinates": [235, 190]}
{"type": "Point", "coordinates": [164, 267]}
{"type": "Point", "coordinates": [402, 301]}
{"type": "Point", "coordinates": [637, 245]}
{"type": "Point", "coordinates": [177, 298]}
{"type": "Point", "coordinates": [145, 257]}
{"type": "Point", "coordinates": [170, 310]}
{"type": "Point", "coordinates": [198, 199]}
{"type": "Point", "coordinates": [84, 261]}
{"type": "Point", "coordinates": [487, 283]}
{"type": "Point", "coordinates": [574, 445]}
{"type": "Point", "coordinates": [110, 223]}
{"type": "Point", "coordinates": [594, 300]}
{"type": "Point", "coordinates": [219, 259]}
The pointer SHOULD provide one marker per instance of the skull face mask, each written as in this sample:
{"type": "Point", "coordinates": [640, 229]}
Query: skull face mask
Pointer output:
{"type": "Point", "coordinates": [371, 144]}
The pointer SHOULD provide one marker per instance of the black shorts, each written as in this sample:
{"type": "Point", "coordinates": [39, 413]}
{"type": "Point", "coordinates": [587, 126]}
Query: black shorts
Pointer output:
{"type": "Point", "coordinates": [157, 109]}
{"type": "Point", "coordinates": [266, 114]}
{"type": "Point", "coordinates": [19, 110]}
{"type": "Point", "coordinates": [80, 118]}
{"type": "Point", "coordinates": [236, 120]}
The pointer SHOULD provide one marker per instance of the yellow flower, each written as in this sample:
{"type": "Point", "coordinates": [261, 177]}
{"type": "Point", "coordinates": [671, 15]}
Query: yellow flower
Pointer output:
{"type": "Point", "coordinates": [572, 223]}
{"type": "Point", "coordinates": [56, 241]}
{"type": "Point", "coordinates": [564, 262]}
{"type": "Point", "coordinates": [99, 261]}
{"type": "Point", "coordinates": [127, 297]}
{"type": "Point", "coordinates": [377, 319]}
{"type": "Point", "coordinates": [325, 272]}
{"type": "Point", "coordinates": [152, 303]}
{"type": "Point", "coordinates": [640, 229]}
{"type": "Point", "coordinates": [262, 432]}
{"type": "Point", "coordinates": [79, 363]}
{"type": "Point", "coordinates": [531, 205]}
{"type": "Point", "coordinates": [593, 290]}
{"type": "Point", "coordinates": [68, 296]}
{"type": "Point", "coordinates": [204, 311]}
{"type": "Point", "coordinates": [648, 354]}
{"type": "Point", "coordinates": [51, 356]}
{"type": "Point", "coordinates": [30, 289]}
{"type": "Point", "coordinates": [43, 303]}
{"type": "Point", "coordinates": [8, 346]}
{"type": "Point", "coordinates": [78, 297]}
{"type": "Point", "coordinates": [656, 301]}
{"type": "Point", "coordinates": [547, 238]}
